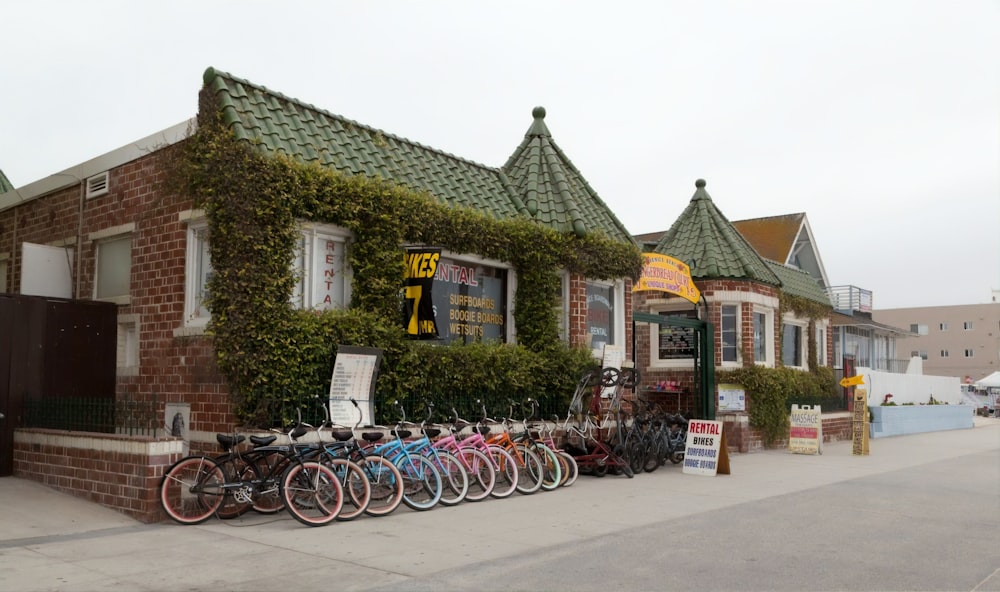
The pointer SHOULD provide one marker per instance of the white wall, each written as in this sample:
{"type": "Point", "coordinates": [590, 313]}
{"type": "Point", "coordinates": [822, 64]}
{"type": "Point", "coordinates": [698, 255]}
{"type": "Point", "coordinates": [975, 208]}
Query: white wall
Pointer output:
{"type": "Point", "coordinates": [911, 388]}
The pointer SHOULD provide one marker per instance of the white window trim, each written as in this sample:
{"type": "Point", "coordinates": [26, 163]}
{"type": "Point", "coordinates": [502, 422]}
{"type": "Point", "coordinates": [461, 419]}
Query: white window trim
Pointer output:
{"type": "Point", "coordinates": [619, 320]}
{"type": "Point", "coordinates": [193, 323]}
{"type": "Point", "coordinates": [510, 332]}
{"type": "Point", "coordinates": [803, 325]}
{"type": "Point", "coordinates": [739, 335]}
{"type": "Point", "coordinates": [564, 306]}
{"type": "Point", "coordinates": [310, 231]}
{"type": "Point", "coordinates": [109, 235]}
{"type": "Point", "coordinates": [821, 347]}
{"type": "Point", "coordinates": [656, 308]}
{"type": "Point", "coordinates": [769, 339]}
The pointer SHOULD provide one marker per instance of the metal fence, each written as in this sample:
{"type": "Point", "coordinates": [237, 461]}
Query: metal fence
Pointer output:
{"type": "Point", "coordinates": [124, 415]}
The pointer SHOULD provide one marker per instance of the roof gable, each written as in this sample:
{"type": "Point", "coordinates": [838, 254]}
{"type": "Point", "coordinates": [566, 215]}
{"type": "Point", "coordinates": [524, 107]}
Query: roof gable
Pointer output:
{"type": "Point", "coordinates": [277, 124]}
{"type": "Point", "coordinates": [786, 239]}
{"type": "Point", "coordinates": [703, 238]}
{"type": "Point", "coordinates": [5, 184]}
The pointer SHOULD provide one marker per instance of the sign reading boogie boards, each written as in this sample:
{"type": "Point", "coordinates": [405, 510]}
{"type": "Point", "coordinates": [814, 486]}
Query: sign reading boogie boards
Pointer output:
{"type": "Point", "coordinates": [470, 301]}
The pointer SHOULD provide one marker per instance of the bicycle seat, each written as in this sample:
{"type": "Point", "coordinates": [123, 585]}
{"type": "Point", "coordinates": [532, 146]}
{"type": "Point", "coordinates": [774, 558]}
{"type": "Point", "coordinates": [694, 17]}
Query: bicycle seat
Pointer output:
{"type": "Point", "coordinates": [461, 425]}
{"type": "Point", "coordinates": [227, 441]}
{"type": "Point", "coordinates": [483, 429]}
{"type": "Point", "coordinates": [402, 433]}
{"type": "Point", "coordinates": [343, 435]}
{"type": "Point", "coordinates": [372, 436]}
{"type": "Point", "coordinates": [432, 432]}
{"type": "Point", "coordinates": [262, 440]}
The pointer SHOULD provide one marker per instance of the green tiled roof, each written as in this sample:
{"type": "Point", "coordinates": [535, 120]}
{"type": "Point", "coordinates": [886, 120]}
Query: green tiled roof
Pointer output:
{"type": "Point", "coordinates": [552, 189]}
{"type": "Point", "coordinates": [278, 124]}
{"type": "Point", "coordinates": [704, 239]}
{"type": "Point", "coordinates": [5, 184]}
{"type": "Point", "coordinates": [799, 283]}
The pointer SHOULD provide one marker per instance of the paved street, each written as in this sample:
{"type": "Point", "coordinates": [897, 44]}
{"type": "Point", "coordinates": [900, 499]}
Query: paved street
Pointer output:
{"type": "Point", "coordinates": [922, 512]}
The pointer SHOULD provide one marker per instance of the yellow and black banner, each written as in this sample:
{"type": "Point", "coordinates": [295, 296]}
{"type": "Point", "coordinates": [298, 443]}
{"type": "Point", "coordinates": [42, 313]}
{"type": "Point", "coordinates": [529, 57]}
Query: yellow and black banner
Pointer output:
{"type": "Point", "coordinates": [421, 265]}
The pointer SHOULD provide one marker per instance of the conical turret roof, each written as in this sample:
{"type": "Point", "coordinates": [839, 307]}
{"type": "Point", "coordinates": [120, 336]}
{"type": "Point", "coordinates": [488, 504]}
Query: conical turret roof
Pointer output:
{"type": "Point", "coordinates": [552, 190]}
{"type": "Point", "coordinates": [704, 238]}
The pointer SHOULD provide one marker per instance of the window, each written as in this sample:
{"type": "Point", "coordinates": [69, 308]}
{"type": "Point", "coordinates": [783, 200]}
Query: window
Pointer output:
{"type": "Point", "coordinates": [821, 346]}
{"type": "Point", "coordinates": [605, 315]}
{"type": "Point", "coordinates": [321, 265]}
{"type": "Point", "coordinates": [791, 345]}
{"type": "Point", "coordinates": [562, 307]}
{"type": "Point", "coordinates": [918, 329]}
{"type": "Point", "coordinates": [967, 325]}
{"type": "Point", "coordinates": [198, 271]}
{"type": "Point", "coordinates": [729, 332]}
{"type": "Point", "coordinates": [918, 354]}
{"type": "Point", "coordinates": [3, 276]}
{"type": "Point", "coordinates": [676, 343]}
{"type": "Point", "coordinates": [763, 337]}
{"type": "Point", "coordinates": [114, 269]}
{"type": "Point", "coordinates": [470, 299]}
{"type": "Point", "coordinates": [128, 345]}
{"type": "Point", "coordinates": [969, 353]}
{"type": "Point", "coordinates": [943, 327]}
{"type": "Point", "coordinates": [944, 353]}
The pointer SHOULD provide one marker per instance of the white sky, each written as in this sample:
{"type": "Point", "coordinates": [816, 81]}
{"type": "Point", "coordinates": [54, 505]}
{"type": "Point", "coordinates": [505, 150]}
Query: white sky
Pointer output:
{"type": "Point", "coordinates": [880, 119]}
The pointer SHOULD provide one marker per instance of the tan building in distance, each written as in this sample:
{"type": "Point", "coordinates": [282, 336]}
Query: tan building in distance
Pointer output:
{"type": "Point", "coordinates": [961, 340]}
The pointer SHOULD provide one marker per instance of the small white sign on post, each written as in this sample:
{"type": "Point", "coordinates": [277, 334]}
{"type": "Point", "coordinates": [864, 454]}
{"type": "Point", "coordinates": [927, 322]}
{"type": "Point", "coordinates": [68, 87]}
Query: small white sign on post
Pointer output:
{"type": "Point", "coordinates": [805, 434]}
{"type": "Point", "coordinates": [354, 373]}
{"type": "Point", "coordinates": [614, 357]}
{"type": "Point", "coordinates": [732, 397]}
{"type": "Point", "coordinates": [702, 449]}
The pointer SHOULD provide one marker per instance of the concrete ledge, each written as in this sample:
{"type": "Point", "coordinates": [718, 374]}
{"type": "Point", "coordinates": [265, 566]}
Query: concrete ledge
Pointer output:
{"type": "Point", "coordinates": [898, 420]}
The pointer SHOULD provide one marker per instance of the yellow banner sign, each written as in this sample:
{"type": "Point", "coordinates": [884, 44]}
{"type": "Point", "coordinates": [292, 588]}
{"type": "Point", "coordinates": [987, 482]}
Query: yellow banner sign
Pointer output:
{"type": "Point", "coordinates": [666, 274]}
{"type": "Point", "coordinates": [852, 381]}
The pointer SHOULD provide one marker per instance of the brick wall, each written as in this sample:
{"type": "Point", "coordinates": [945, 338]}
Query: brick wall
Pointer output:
{"type": "Point", "coordinates": [118, 472]}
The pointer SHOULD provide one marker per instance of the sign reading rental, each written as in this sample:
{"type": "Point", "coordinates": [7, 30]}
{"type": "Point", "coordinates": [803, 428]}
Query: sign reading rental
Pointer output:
{"type": "Point", "coordinates": [666, 274]}
{"type": "Point", "coordinates": [701, 453]}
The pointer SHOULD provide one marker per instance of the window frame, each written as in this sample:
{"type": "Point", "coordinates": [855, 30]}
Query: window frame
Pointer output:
{"type": "Point", "coordinates": [509, 332]}
{"type": "Point", "coordinates": [802, 328]}
{"type": "Point", "coordinates": [657, 308]}
{"type": "Point", "coordinates": [4, 270]}
{"type": "Point", "coordinates": [197, 272]}
{"type": "Point", "coordinates": [822, 329]}
{"type": "Point", "coordinates": [102, 238]}
{"type": "Point", "coordinates": [736, 333]}
{"type": "Point", "coordinates": [768, 313]}
{"type": "Point", "coordinates": [617, 318]}
{"type": "Point", "coordinates": [308, 256]}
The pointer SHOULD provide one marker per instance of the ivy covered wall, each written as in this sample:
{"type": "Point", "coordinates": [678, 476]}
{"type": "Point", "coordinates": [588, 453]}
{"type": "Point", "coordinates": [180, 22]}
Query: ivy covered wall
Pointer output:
{"type": "Point", "coordinates": [276, 357]}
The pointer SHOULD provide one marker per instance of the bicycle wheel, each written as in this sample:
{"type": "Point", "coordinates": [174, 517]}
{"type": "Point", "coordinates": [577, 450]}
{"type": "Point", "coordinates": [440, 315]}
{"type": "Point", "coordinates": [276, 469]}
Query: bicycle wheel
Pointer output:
{"type": "Point", "coordinates": [507, 474]}
{"type": "Point", "coordinates": [551, 465]}
{"type": "Point", "coordinates": [386, 485]}
{"type": "Point", "coordinates": [635, 454]}
{"type": "Point", "coordinates": [312, 493]}
{"type": "Point", "coordinates": [192, 489]}
{"type": "Point", "coordinates": [270, 468]}
{"type": "Point", "coordinates": [531, 471]}
{"type": "Point", "coordinates": [421, 482]}
{"type": "Point", "coordinates": [237, 500]}
{"type": "Point", "coordinates": [354, 482]}
{"type": "Point", "coordinates": [454, 478]}
{"type": "Point", "coordinates": [572, 469]}
{"type": "Point", "coordinates": [482, 475]}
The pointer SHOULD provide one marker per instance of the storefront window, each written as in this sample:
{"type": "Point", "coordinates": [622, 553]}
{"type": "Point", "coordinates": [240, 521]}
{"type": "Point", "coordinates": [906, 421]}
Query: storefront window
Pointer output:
{"type": "Point", "coordinates": [470, 301]}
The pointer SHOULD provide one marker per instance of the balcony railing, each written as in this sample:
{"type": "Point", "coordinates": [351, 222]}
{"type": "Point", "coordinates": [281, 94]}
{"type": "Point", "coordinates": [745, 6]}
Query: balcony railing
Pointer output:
{"type": "Point", "coordinates": [850, 299]}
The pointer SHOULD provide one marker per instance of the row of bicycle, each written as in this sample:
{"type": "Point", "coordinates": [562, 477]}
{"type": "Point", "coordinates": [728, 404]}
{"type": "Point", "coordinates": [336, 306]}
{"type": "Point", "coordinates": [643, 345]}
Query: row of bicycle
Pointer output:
{"type": "Point", "coordinates": [340, 476]}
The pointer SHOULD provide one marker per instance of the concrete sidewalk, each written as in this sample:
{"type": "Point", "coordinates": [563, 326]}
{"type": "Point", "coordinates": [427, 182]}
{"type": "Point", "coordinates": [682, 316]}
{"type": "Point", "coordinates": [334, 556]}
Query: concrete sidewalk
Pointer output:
{"type": "Point", "coordinates": [52, 541]}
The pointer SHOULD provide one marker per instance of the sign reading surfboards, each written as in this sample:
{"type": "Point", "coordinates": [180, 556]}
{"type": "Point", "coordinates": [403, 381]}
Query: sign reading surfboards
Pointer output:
{"type": "Point", "coordinates": [470, 301]}
{"type": "Point", "coordinates": [666, 274]}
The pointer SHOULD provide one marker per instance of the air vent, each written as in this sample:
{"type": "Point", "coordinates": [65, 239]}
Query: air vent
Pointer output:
{"type": "Point", "coordinates": [97, 185]}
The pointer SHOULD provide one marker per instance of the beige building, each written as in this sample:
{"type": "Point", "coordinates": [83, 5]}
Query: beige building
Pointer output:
{"type": "Point", "coordinates": [961, 340]}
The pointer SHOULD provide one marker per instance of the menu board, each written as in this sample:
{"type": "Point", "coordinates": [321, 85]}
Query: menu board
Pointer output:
{"type": "Point", "coordinates": [354, 372]}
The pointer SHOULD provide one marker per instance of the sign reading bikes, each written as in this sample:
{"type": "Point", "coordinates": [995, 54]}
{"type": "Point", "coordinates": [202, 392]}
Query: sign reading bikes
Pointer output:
{"type": "Point", "coordinates": [421, 266]}
{"type": "Point", "coordinates": [704, 452]}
